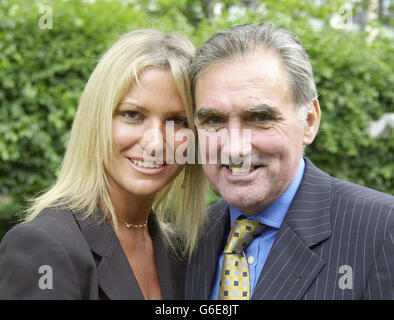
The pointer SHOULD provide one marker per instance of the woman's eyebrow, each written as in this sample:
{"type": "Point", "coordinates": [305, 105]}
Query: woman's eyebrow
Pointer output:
{"type": "Point", "coordinates": [130, 104]}
{"type": "Point", "coordinates": [165, 114]}
{"type": "Point", "coordinates": [175, 113]}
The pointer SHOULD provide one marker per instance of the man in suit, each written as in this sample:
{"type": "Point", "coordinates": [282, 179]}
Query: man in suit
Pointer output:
{"type": "Point", "coordinates": [316, 237]}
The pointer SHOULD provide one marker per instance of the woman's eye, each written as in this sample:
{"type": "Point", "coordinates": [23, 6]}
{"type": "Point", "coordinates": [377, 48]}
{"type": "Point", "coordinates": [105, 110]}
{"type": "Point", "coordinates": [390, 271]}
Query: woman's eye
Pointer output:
{"type": "Point", "coordinates": [180, 122]}
{"type": "Point", "coordinates": [133, 115]}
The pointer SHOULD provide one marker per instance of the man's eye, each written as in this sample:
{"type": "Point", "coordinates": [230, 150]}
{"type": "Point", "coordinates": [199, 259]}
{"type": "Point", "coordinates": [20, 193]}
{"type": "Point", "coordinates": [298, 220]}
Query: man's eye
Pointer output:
{"type": "Point", "coordinates": [133, 115]}
{"type": "Point", "coordinates": [259, 117]}
{"type": "Point", "coordinates": [214, 121]}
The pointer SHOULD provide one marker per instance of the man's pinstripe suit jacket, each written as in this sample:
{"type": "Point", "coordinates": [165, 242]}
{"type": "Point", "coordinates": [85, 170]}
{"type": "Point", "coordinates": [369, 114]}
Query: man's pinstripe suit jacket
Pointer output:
{"type": "Point", "coordinates": [336, 242]}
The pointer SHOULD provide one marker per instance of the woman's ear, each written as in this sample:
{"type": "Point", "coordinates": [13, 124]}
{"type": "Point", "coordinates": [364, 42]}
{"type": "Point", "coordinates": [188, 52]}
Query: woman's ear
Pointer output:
{"type": "Point", "coordinates": [312, 123]}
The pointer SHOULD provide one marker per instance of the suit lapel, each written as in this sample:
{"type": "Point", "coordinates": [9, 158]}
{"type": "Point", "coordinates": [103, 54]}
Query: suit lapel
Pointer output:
{"type": "Point", "coordinates": [171, 270]}
{"type": "Point", "coordinates": [115, 276]}
{"type": "Point", "coordinates": [292, 265]}
{"type": "Point", "coordinates": [289, 270]}
{"type": "Point", "coordinates": [202, 267]}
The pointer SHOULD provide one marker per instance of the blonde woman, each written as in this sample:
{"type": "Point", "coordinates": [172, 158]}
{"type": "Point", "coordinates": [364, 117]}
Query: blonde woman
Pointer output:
{"type": "Point", "coordinates": [102, 231]}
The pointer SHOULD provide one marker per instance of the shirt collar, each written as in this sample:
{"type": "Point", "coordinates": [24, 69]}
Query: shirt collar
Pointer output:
{"type": "Point", "coordinates": [274, 214]}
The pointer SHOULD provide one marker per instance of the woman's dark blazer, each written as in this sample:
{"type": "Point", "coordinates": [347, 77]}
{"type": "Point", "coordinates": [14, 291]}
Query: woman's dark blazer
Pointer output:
{"type": "Point", "coordinates": [59, 255]}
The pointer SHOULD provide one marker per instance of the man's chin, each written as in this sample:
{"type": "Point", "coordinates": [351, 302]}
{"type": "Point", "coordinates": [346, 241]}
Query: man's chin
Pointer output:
{"type": "Point", "coordinates": [245, 202]}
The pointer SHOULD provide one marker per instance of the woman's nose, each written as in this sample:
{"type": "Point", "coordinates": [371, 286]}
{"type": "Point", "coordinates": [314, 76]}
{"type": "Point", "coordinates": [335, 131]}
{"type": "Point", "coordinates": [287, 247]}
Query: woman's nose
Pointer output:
{"type": "Point", "coordinates": [153, 140]}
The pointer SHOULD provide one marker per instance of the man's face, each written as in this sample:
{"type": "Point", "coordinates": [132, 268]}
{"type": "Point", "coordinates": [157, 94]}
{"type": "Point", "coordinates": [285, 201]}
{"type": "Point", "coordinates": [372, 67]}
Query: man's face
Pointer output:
{"type": "Point", "coordinates": [250, 93]}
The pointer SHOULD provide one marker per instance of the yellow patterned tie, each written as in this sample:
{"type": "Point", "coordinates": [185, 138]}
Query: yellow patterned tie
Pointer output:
{"type": "Point", "coordinates": [234, 281]}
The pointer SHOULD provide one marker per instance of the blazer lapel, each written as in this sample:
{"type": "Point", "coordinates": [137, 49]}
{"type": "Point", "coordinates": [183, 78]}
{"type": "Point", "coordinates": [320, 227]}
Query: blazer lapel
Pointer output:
{"type": "Point", "coordinates": [171, 270]}
{"type": "Point", "coordinates": [292, 265]}
{"type": "Point", "coordinates": [115, 276]}
{"type": "Point", "coordinates": [203, 264]}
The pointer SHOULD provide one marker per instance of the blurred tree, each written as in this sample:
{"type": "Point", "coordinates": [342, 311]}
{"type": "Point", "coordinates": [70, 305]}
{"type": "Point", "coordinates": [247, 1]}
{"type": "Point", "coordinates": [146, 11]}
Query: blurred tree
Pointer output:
{"type": "Point", "coordinates": [368, 11]}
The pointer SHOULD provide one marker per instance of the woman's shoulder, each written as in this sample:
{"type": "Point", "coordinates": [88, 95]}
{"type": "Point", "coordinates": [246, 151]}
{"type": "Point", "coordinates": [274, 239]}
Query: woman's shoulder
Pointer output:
{"type": "Point", "coordinates": [47, 246]}
{"type": "Point", "coordinates": [56, 226]}
{"type": "Point", "coordinates": [52, 230]}
{"type": "Point", "coordinates": [58, 222]}
{"type": "Point", "coordinates": [51, 241]}
{"type": "Point", "coordinates": [51, 215]}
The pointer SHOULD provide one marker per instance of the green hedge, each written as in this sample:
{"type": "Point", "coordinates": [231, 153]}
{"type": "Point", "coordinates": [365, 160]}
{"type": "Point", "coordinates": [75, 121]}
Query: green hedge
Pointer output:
{"type": "Point", "coordinates": [43, 72]}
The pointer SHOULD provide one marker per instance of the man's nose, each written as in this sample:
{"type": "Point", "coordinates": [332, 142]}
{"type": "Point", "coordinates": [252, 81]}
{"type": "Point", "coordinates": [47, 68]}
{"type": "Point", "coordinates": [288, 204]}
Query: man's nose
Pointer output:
{"type": "Point", "coordinates": [238, 143]}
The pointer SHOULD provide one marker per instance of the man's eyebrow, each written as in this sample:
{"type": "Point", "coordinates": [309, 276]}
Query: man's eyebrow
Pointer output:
{"type": "Point", "coordinates": [261, 108]}
{"type": "Point", "coordinates": [205, 112]}
{"type": "Point", "coordinates": [270, 111]}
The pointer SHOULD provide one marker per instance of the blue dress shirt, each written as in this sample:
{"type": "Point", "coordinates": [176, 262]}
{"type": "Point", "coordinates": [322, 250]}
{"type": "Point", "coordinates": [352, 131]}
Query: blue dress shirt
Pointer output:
{"type": "Point", "coordinates": [258, 249]}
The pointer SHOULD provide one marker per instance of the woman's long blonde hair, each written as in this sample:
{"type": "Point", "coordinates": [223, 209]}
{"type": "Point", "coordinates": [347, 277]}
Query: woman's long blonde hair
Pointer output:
{"type": "Point", "coordinates": [82, 184]}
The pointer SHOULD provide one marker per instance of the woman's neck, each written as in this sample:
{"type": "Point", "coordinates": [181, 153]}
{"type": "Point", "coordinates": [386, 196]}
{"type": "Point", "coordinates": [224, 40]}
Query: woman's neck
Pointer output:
{"type": "Point", "coordinates": [132, 209]}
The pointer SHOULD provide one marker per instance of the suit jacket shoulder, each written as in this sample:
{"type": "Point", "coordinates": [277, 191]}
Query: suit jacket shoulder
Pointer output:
{"type": "Point", "coordinates": [46, 258]}
{"type": "Point", "coordinates": [362, 223]}
{"type": "Point", "coordinates": [356, 191]}
{"type": "Point", "coordinates": [347, 229]}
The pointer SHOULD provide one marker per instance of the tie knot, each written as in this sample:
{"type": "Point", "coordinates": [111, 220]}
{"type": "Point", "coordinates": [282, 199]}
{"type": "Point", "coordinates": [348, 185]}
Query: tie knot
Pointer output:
{"type": "Point", "coordinates": [242, 234]}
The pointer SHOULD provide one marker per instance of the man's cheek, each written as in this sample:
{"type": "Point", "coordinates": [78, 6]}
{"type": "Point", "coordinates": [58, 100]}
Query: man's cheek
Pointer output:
{"type": "Point", "coordinates": [210, 170]}
{"type": "Point", "coordinates": [212, 173]}
{"type": "Point", "coordinates": [209, 148]}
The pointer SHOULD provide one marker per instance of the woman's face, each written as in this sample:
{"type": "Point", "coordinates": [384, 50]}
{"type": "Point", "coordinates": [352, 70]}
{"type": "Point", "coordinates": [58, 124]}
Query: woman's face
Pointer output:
{"type": "Point", "coordinates": [138, 164]}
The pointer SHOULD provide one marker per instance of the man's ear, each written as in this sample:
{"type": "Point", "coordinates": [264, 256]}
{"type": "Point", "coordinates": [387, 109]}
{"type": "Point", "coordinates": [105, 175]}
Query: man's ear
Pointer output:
{"type": "Point", "coordinates": [312, 123]}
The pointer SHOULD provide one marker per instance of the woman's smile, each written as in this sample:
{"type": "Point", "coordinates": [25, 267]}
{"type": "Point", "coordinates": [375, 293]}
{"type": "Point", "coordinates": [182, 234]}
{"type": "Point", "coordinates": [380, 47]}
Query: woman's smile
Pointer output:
{"type": "Point", "coordinates": [144, 167]}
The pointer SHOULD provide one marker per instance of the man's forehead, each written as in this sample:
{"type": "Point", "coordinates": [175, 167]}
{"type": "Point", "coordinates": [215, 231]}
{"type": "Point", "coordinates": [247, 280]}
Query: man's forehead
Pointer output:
{"type": "Point", "coordinates": [247, 75]}
{"type": "Point", "coordinates": [268, 63]}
